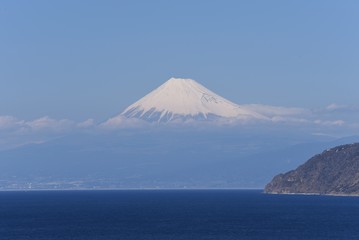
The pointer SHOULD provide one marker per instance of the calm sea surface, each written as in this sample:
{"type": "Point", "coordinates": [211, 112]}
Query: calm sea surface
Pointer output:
{"type": "Point", "coordinates": [175, 214]}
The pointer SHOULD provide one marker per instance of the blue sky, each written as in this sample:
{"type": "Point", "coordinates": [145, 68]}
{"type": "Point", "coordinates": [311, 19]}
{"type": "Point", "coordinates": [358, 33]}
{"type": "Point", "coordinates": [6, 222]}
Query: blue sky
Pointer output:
{"type": "Point", "coordinates": [90, 59]}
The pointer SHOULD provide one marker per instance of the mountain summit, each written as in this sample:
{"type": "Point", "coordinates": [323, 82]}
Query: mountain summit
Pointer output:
{"type": "Point", "coordinates": [184, 99]}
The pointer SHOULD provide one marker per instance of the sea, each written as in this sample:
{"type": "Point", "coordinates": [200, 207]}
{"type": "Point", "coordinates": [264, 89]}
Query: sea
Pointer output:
{"type": "Point", "coordinates": [175, 215]}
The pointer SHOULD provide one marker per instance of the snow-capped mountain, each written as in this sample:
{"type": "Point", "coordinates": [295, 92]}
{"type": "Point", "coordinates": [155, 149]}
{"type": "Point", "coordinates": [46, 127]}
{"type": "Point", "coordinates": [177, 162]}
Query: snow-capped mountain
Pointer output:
{"type": "Point", "coordinates": [184, 99]}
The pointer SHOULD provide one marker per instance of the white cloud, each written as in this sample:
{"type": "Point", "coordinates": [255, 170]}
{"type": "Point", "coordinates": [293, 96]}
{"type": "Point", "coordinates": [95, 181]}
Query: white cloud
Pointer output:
{"type": "Point", "coordinates": [12, 124]}
{"type": "Point", "coordinates": [330, 123]}
{"type": "Point", "coordinates": [275, 111]}
{"type": "Point", "coordinates": [123, 122]}
{"type": "Point", "coordinates": [334, 117]}
{"type": "Point", "coordinates": [46, 123]}
{"type": "Point", "coordinates": [9, 122]}
{"type": "Point", "coordinates": [87, 123]}
{"type": "Point", "coordinates": [15, 132]}
{"type": "Point", "coordinates": [284, 119]}
{"type": "Point", "coordinates": [334, 106]}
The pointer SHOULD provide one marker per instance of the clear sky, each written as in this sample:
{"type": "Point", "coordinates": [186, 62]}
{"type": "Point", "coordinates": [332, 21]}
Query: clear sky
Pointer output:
{"type": "Point", "coordinates": [90, 59]}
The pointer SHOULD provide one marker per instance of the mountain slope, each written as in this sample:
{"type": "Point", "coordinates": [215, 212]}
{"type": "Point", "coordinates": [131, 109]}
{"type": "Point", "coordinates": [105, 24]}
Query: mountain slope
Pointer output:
{"type": "Point", "coordinates": [185, 99]}
{"type": "Point", "coordinates": [335, 171]}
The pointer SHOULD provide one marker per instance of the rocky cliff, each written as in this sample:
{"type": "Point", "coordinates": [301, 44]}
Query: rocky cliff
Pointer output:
{"type": "Point", "coordinates": [335, 171]}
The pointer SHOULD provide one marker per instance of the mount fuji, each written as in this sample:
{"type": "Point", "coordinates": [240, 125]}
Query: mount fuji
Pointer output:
{"type": "Point", "coordinates": [180, 100]}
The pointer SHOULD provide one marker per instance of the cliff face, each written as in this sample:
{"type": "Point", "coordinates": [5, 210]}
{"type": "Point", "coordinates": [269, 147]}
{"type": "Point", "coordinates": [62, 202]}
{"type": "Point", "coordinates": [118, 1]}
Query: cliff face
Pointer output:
{"type": "Point", "coordinates": [335, 171]}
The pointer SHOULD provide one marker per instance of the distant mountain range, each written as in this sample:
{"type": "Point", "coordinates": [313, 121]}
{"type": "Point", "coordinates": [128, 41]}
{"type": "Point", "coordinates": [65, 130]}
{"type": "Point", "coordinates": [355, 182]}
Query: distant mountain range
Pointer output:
{"type": "Point", "coordinates": [335, 171]}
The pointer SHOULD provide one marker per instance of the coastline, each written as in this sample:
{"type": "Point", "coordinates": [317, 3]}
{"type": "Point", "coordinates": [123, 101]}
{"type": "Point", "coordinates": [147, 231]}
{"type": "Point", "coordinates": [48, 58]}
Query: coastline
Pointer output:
{"type": "Point", "coordinates": [315, 194]}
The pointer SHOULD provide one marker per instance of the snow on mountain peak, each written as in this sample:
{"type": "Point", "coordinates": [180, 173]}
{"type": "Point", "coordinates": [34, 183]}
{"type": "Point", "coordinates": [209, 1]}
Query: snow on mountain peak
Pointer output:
{"type": "Point", "coordinates": [183, 99]}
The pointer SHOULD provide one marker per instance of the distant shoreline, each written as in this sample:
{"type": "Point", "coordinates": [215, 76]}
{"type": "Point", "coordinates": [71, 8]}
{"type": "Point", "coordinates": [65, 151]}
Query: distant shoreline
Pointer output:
{"type": "Point", "coordinates": [315, 194]}
{"type": "Point", "coordinates": [132, 189]}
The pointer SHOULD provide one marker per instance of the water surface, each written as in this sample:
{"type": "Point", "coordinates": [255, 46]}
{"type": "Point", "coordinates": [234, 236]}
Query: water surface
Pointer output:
{"type": "Point", "coordinates": [176, 215]}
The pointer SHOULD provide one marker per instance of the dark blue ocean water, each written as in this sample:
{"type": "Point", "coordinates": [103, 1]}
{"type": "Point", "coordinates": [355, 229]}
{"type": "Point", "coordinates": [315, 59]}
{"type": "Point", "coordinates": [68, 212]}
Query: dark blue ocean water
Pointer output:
{"type": "Point", "coordinates": [175, 214]}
